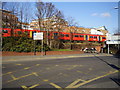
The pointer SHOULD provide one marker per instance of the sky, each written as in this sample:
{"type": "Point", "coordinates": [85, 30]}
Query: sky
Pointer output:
{"type": "Point", "coordinates": [91, 14]}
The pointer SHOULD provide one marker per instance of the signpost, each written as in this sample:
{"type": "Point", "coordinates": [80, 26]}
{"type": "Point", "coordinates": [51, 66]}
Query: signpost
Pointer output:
{"type": "Point", "coordinates": [38, 36]}
{"type": "Point", "coordinates": [113, 39]}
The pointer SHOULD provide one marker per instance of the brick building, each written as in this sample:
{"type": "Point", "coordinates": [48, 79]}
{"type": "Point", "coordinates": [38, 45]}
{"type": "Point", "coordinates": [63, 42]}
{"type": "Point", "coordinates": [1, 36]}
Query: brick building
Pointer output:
{"type": "Point", "coordinates": [8, 19]}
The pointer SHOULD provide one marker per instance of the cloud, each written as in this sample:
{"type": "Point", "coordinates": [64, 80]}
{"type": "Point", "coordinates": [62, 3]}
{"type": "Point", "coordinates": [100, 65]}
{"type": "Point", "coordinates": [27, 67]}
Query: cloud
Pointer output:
{"type": "Point", "coordinates": [94, 14]}
{"type": "Point", "coordinates": [105, 14]}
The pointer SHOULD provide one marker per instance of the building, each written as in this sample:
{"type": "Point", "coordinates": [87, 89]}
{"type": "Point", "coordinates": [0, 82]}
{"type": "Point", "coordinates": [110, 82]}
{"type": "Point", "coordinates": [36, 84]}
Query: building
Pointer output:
{"type": "Point", "coordinates": [99, 31]}
{"type": "Point", "coordinates": [51, 24]}
{"type": "Point", "coordinates": [82, 30]}
{"type": "Point", "coordinates": [8, 19]}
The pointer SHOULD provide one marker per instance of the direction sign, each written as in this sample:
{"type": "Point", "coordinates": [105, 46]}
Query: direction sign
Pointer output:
{"type": "Point", "coordinates": [38, 36]}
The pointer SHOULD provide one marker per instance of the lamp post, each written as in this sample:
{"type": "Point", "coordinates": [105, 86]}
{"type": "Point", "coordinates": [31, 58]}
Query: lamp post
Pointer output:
{"type": "Point", "coordinates": [118, 19]}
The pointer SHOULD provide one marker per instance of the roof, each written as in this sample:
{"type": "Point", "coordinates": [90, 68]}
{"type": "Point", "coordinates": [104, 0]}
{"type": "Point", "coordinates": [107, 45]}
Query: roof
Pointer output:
{"type": "Point", "coordinates": [5, 11]}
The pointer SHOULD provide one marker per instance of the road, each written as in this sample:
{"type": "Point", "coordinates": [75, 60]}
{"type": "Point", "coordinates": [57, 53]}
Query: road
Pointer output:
{"type": "Point", "coordinates": [81, 71]}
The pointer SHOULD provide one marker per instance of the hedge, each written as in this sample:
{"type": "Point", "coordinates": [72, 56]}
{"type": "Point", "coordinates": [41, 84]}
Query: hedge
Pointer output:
{"type": "Point", "coordinates": [21, 44]}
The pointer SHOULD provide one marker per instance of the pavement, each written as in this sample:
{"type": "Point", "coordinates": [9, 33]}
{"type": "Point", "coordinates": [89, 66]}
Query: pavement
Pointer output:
{"type": "Point", "coordinates": [41, 57]}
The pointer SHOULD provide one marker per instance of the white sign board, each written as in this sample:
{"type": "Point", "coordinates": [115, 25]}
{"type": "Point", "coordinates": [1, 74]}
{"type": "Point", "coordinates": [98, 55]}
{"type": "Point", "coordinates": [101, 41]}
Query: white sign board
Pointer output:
{"type": "Point", "coordinates": [113, 39]}
{"type": "Point", "coordinates": [38, 36]}
{"type": "Point", "coordinates": [112, 42]}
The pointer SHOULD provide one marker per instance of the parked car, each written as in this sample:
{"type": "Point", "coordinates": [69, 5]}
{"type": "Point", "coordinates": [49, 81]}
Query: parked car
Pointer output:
{"type": "Point", "coordinates": [90, 50]}
{"type": "Point", "coordinates": [93, 50]}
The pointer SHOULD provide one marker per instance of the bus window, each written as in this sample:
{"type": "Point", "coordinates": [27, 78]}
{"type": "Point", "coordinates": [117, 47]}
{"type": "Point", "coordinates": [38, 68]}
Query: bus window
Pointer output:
{"type": "Point", "coordinates": [67, 35]}
{"type": "Point", "coordinates": [55, 34]}
{"type": "Point", "coordinates": [103, 38]}
{"type": "Point", "coordinates": [5, 31]}
{"type": "Point", "coordinates": [91, 36]}
{"type": "Point", "coordinates": [81, 36]}
{"type": "Point", "coordinates": [76, 35]}
{"type": "Point", "coordinates": [95, 36]}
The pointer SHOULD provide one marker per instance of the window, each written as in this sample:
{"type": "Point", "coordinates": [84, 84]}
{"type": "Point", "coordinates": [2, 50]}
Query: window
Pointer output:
{"type": "Point", "coordinates": [81, 36]}
{"type": "Point", "coordinates": [5, 31]}
{"type": "Point", "coordinates": [95, 36]}
{"type": "Point", "coordinates": [34, 31]}
{"type": "Point", "coordinates": [67, 35]}
{"type": "Point", "coordinates": [76, 35]}
{"type": "Point", "coordinates": [91, 36]}
{"type": "Point", "coordinates": [55, 34]}
{"type": "Point", "coordinates": [103, 38]}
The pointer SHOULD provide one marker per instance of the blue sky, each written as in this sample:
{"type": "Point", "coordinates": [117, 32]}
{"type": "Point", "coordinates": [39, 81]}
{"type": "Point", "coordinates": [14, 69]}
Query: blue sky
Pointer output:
{"type": "Point", "coordinates": [91, 14]}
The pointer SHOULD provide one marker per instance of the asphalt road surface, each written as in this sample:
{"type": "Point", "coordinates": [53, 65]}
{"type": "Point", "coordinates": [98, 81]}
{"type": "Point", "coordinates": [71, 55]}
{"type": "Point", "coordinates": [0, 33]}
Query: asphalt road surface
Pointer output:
{"type": "Point", "coordinates": [94, 71]}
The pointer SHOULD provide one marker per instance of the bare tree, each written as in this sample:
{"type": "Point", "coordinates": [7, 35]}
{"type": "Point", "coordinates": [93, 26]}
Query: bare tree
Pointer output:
{"type": "Point", "coordinates": [20, 13]}
{"type": "Point", "coordinates": [72, 24]}
{"type": "Point", "coordinates": [45, 14]}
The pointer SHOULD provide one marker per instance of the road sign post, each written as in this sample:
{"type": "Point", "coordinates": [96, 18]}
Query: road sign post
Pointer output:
{"type": "Point", "coordinates": [38, 36]}
{"type": "Point", "coordinates": [34, 48]}
{"type": "Point", "coordinates": [108, 49]}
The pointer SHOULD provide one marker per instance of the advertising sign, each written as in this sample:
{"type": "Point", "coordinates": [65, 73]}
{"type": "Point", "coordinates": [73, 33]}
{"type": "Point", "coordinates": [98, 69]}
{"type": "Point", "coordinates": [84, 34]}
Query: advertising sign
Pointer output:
{"type": "Point", "coordinates": [38, 36]}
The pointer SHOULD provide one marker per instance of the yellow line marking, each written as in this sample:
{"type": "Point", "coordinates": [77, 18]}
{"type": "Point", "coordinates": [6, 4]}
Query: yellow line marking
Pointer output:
{"type": "Point", "coordinates": [56, 86]}
{"type": "Point", "coordinates": [28, 88]}
{"type": "Point", "coordinates": [45, 80]}
{"type": "Point", "coordinates": [7, 73]}
{"type": "Point", "coordinates": [25, 88]}
{"type": "Point", "coordinates": [18, 70]}
{"type": "Point", "coordinates": [21, 77]}
{"type": "Point", "coordinates": [56, 65]}
{"type": "Point", "coordinates": [35, 74]}
{"type": "Point", "coordinates": [69, 68]}
{"type": "Point", "coordinates": [37, 64]}
{"type": "Point", "coordinates": [90, 69]}
{"type": "Point", "coordinates": [27, 68]}
{"type": "Point", "coordinates": [79, 71]}
{"type": "Point", "coordinates": [75, 82]}
{"type": "Point", "coordinates": [78, 85]}
{"type": "Point", "coordinates": [18, 64]}
{"type": "Point", "coordinates": [48, 68]}
{"type": "Point", "coordinates": [13, 77]}
{"type": "Point", "coordinates": [34, 86]}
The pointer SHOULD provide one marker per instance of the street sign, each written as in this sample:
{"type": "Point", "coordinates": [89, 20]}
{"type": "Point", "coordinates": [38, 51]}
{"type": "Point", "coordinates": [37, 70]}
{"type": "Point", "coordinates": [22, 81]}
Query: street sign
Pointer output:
{"type": "Point", "coordinates": [38, 36]}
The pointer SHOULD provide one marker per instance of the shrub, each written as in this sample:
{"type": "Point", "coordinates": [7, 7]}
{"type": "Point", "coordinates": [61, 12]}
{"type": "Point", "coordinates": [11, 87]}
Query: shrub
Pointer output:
{"type": "Point", "coordinates": [21, 44]}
